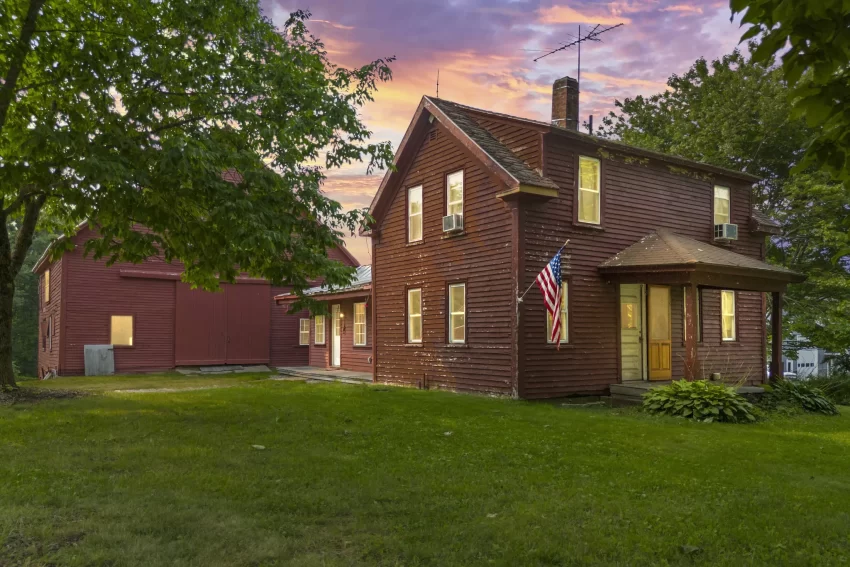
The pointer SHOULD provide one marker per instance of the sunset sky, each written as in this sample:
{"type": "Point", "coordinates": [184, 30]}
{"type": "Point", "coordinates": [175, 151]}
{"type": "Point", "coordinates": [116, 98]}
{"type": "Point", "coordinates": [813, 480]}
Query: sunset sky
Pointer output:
{"type": "Point", "coordinates": [485, 50]}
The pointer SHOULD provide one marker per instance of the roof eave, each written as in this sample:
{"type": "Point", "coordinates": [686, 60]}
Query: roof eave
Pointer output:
{"type": "Point", "coordinates": [683, 162]}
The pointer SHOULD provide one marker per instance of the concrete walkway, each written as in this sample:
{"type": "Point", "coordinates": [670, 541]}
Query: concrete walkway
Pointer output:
{"type": "Point", "coordinates": [325, 375]}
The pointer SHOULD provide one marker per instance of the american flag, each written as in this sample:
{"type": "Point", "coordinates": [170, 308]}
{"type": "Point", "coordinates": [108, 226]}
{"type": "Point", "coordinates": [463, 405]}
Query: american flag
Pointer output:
{"type": "Point", "coordinates": [549, 282]}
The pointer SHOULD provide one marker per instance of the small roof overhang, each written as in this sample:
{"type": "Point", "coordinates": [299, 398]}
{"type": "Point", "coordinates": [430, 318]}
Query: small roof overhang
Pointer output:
{"type": "Point", "coordinates": [664, 257]}
{"type": "Point", "coordinates": [347, 293]}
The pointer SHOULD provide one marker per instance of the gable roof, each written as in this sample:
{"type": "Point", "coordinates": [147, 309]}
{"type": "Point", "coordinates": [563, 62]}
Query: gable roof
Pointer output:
{"type": "Point", "coordinates": [666, 249]}
{"type": "Point", "coordinates": [517, 169]}
{"type": "Point", "coordinates": [612, 144]}
{"type": "Point", "coordinates": [763, 223]}
{"type": "Point", "coordinates": [461, 122]}
{"type": "Point", "coordinates": [495, 157]}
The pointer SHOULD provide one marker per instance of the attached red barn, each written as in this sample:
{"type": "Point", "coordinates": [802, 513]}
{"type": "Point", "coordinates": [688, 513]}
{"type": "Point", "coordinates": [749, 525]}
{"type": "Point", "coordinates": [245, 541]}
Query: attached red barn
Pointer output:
{"type": "Point", "coordinates": [157, 322]}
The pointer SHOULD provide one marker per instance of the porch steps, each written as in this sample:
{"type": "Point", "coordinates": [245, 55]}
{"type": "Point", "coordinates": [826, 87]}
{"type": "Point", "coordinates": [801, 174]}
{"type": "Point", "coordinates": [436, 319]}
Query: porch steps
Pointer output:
{"type": "Point", "coordinates": [631, 393]}
{"type": "Point", "coordinates": [311, 373]}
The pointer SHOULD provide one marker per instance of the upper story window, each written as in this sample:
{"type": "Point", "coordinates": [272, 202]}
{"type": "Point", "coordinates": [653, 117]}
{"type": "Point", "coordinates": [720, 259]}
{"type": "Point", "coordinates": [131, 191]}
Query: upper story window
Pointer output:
{"type": "Point", "coordinates": [414, 315]}
{"type": "Point", "coordinates": [121, 331]}
{"type": "Point", "coordinates": [589, 192]}
{"type": "Point", "coordinates": [457, 313]}
{"type": "Point", "coordinates": [414, 214]}
{"type": "Point", "coordinates": [454, 193]}
{"type": "Point", "coordinates": [727, 309]}
{"type": "Point", "coordinates": [722, 207]}
{"type": "Point", "coordinates": [359, 324]}
{"type": "Point", "coordinates": [47, 286]}
{"type": "Point", "coordinates": [319, 339]}
{"type": "Point", "coordinates": [303, 332]}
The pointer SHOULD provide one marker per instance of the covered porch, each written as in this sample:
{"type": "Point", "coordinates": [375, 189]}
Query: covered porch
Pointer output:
{"type": "Point", "coordinates": [647, 271]}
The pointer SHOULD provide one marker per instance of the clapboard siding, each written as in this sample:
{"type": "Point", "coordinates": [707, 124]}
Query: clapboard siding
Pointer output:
{"type": "Point", "coordinates": [481, 257]}
{"type": "Point", "coordinates": [285, 350]}
{"type": "Point", "coordinates": [96, 291]}
{"type": "Point", "coordinates": [355, 358]}
{"type": "Point", "coordinates": [50, 347]}
{"type": "Point", "coordinates": [638, 197]}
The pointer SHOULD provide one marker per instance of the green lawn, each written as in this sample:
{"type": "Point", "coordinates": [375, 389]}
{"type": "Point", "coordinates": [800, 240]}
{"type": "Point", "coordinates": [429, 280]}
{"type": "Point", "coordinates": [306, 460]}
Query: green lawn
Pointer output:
{"type": "Point", "coordinates": [378, 475]}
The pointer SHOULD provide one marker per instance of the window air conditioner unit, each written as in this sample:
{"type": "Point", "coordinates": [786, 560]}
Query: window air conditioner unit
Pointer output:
{"type": "Point", "coordinates": [452, 223]}
{"type": "Point", "coordinates": [726, 232]}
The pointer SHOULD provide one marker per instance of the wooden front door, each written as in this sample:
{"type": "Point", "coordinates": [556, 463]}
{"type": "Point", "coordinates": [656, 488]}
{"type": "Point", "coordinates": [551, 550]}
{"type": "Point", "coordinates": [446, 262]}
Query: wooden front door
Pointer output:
{"type": "Point", "coordinates": [660, 343]}
{"type": "Point", "coordinates": [336, 335]}
{"type": "Point", "coordinates": [631, 331]}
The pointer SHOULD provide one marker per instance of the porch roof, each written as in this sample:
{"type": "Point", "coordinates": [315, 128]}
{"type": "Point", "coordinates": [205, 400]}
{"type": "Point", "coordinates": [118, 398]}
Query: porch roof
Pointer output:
{"type": "Point", "coordinates": [666, 257]}
{"type": "Point", "coordinates": [360, 285]}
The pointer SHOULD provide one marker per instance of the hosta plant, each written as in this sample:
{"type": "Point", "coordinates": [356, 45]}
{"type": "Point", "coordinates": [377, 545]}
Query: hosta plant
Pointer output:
{"type": "Point", "coordinates": [801, 394]}
{"type": "Point", "coordinates": [701, 401]}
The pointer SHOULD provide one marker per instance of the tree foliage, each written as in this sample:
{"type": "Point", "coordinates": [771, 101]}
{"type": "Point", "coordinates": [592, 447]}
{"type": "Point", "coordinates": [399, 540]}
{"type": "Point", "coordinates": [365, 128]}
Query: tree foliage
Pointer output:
{"type": "Point", "coordinates": [734, 112]}
{"type": "Point", "coordinates": [25, 310]}
{"type": "Point", "coordinates": [814, 40]}
{"type": "Point", "coordinates": [128, 114]}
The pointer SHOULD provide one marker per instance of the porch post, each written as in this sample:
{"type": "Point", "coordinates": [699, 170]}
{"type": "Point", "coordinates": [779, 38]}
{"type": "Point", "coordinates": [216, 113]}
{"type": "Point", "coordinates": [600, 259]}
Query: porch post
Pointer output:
{"type": "Point", "coordinates": [776, 341]}
{"type": "Point", "coordinates": [691, 355]}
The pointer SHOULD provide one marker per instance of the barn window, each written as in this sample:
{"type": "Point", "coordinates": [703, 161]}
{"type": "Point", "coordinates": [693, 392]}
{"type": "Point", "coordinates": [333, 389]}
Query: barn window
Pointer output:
{"type": "Point", "coordinates": [359, 324]}
{"type": "Point", "coordinates": [50, 333]}
{"type": "Point", "coordinates": [414, 214]}
{"type": "Point", "coordinates": [47, 286]}
{"type": "Point", "coordinates": [454, 193]}
{"type": "Point", "coordinates": [722, 213]}
{"type": "Point", "coordinates": [414, 315]}
{"type": "Point", "coordinates": [727, 309]}
{"type": "Point", "coordinates": [121, 330]}
{"type": "Point", "coordinates": [320, 330]}
{"type": "Point", "coordinates": [589, 192]}
{"type": "Point", "coordinates": [457, 313]}
{"type": "Point", "coordinates": [564, 310]}
{"type": "Point", "coordinates": [304, 332]}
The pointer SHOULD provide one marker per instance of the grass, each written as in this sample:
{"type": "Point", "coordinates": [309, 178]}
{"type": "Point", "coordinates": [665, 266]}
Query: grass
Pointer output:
{"type": "Point", "coordinates": [374, 475]}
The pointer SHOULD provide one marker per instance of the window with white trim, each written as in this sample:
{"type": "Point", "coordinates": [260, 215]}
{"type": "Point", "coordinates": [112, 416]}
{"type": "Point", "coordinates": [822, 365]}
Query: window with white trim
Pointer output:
{"type": "Point", "coordinates": [414, 315]}
{"type": "Point", "coordinates": [304, 332]}
{"type": "Point", "coordinates": [564, 310]}
{"type": "Point", "coordinates": [414, 214]}
{"type": "Point", "coordinates": [589, 190]}
{"type": "Point", "coordinates": [457, 313]}
{"type": "Point", "coordinates": [359, 324]}
{"type": "Point", "coordinates": [454, 193]}
{"type": "Point", "coordinates": [121, 330]}
{"type": "Point", "coordinates": [47, 286]}
{"type": "Point", "coordinates": [722, 206]}
{"type": "Point", "coordinates": [319, 323]}
{"type": "Point", "coordinates": [727, 310]}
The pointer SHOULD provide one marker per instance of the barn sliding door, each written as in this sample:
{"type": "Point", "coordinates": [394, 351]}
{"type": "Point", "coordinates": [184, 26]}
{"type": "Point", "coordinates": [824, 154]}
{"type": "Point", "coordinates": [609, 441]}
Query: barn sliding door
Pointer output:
{"type": "Point", "coordinates": [248, 322]}
{"type": "Point", "coordinates": [201, 327]}
{"type": "Point", "coordinates": [229, 327]}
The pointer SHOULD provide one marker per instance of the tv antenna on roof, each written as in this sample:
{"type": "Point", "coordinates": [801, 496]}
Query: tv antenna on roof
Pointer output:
{"type": "Point", "coordinates": [592, 35]}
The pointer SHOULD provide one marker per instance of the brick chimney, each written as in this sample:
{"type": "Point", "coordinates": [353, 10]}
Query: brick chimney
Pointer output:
{"type": "Point", "coordinates": [565, 103]}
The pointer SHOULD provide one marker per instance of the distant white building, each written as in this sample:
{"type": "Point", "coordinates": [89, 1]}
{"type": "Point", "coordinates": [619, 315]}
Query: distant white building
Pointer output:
{"type": "Point", "coordinates": [811, 361]}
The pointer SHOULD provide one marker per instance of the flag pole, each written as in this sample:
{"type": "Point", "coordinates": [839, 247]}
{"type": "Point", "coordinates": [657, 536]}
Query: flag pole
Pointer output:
{"type": "Point", "coordinates": [532, 283]}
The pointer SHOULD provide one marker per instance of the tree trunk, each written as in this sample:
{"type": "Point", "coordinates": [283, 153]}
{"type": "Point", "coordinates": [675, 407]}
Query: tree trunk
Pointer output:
{"type": "Point", "coordinates": [7, 292]}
